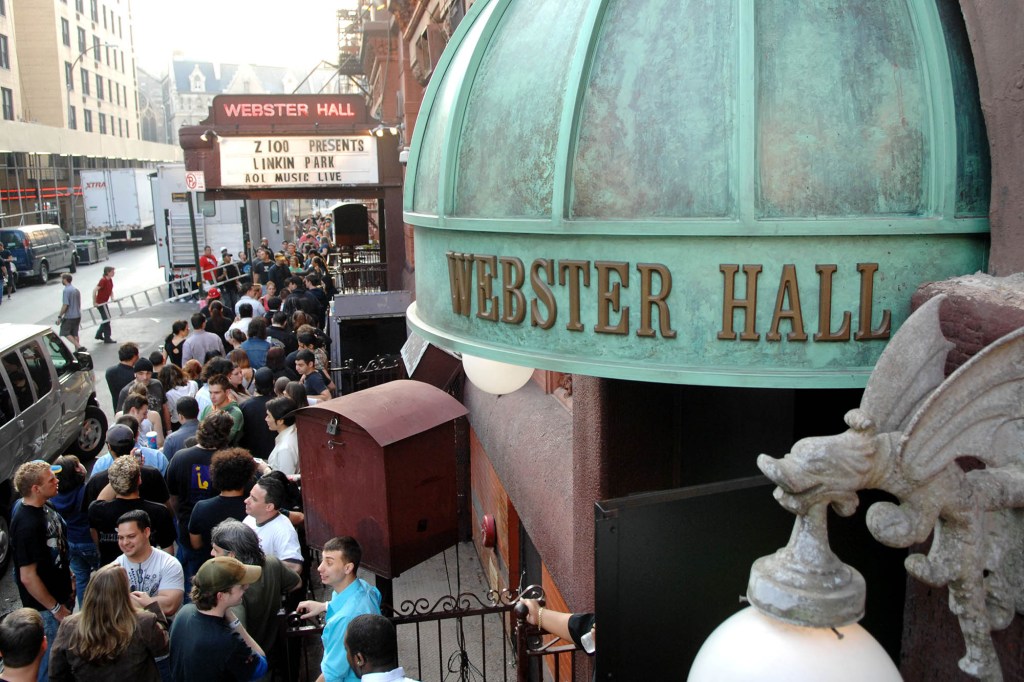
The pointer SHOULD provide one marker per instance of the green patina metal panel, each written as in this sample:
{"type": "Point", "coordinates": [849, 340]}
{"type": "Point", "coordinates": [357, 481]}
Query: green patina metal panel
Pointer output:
{"type": "Point", "coordinates": [641, 126]}
{"type": "Point", "coordinates": [696, 304]}
{"type": "Point", "coordinates": [426, 188]}
{"type": "Point", "coordinates": [842, 113]}
{"type": "Point", "coordinates": [973, 165]}
{"type": "Point", "coordinates": [821, 146]}
{"type": "Point", "coordinates": [507, 144]}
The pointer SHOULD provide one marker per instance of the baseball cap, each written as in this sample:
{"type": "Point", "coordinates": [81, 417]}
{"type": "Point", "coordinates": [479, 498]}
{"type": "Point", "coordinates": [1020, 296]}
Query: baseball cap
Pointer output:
{"type": "Point", "coordinates": [143, 365]}
{"type": "Point", "coordinates": [213, 293]}
{"type": "Point", "coordinates": [222, 573]}
{"type": "Point", "coordinates": [55, 468]}
{"type": "Point", "coordinates": [120, 438]}
{"type": "Point", "coordinates": [224, 249]}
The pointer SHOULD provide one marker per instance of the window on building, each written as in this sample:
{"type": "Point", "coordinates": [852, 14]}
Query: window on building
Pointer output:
{"type": "Point", "coordinates": [115, 60]}
{"type": "Point", "coordinates": [65, 32]}
{"type": "Point", "coordinates": [79, 6]}
{"type": "Point", "coordinates": [106, 48]}
{"type": "Point", "coordinates": [3, 8]}
{"type": "Point", "coordinates": [88, 120]}
{"type": "Point", "coordinates": [69, 76]}
{"type": "Point", "coordinates": [85, 81]}
{"type": "Point", "coordinates": [117, 93]}
{"type": "Point", "coordinates": [104, 16]}
{"type": "Point", "coordinates": [5, 55]}
{"type": "Point", "coordinates": [103, 123]}
{"type": "Point", "coordinates": [96, 49]}
{"type": "Point", "coordinates": [99, 92]}
{"type": "Point", "coordinates": [120, 33]}
{"type": "Point", "coordinates": [7, 95]}
{"type": "Point", "coordinates": [72, 119]}
{"type": "Point", "coordinates": [93, 11]}
{"type": "Point", "coordinates": [81, 39]}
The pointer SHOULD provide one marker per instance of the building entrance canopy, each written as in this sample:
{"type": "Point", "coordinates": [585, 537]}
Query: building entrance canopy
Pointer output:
{"type": "Point", "coordinates": [696, 192]}
{"type": "Point", "coordinates": [300, 146]}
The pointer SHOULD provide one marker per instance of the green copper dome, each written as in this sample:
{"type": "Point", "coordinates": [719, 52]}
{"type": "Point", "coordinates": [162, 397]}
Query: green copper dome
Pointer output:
{"type": "Point", "coordinates": [800, 132]}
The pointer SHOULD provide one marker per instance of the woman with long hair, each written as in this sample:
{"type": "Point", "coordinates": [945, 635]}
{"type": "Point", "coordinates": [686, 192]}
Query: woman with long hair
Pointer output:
{"type": "Point", "coordinates": [271, 292]}
{"type": "Point", "coordinates": [281, 419]}
{"type": "Point", "coordinates": [110, 638]}
{"type": "Point", "coordinates": [176, 386]}
{"type": "Point", "coordinates": [175, 340]}
{"type": "Point", "coordinates": [193, 369]}
{"type": "Point", "coordinates": [218, 322]}
{"type": "Point", "coordinates": [242, 375]}
{"type": "Point", "coordinates": [275, 361]}
{"type": "Point", "coordinates": [295, 265]}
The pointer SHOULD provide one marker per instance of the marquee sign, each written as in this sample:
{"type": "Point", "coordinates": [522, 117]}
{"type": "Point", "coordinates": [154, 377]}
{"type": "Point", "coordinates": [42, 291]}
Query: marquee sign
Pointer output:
{"type": "Point", "coordinates": [298, 161]}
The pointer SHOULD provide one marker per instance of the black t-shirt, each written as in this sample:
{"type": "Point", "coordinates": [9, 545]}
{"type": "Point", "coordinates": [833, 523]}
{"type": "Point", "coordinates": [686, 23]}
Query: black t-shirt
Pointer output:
{"type": "Point", "coordinates": [153, 487]}
{"type": "Point", "coordinates": [39, 536]}
{"type": "Point", "coordinates": [285, 336]}
{"type": "Point", "coordinates": [188, 479]}
{"type": "Point", "coordinates": [119, 376]}
{"type": "Point", "coordinates": [103, 517]}
{"type": "Point", "coordinates": [257, 437]}
{"type": "Point", "coordinates": [208, 513]}
{"type": "Point", "coordinates": [259, 268]}
{"type": "Point", "coordinates": [315, 384]}
{"type": "Point", "coordinates": [205, 648]}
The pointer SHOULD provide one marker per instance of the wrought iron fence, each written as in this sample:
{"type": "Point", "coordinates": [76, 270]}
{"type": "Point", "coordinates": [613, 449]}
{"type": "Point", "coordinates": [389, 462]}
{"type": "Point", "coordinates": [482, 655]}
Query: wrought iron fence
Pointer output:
{"type": "Point", "coordinates": [524, 654]}
{"type": "Point", "coordinates": [351, 377]}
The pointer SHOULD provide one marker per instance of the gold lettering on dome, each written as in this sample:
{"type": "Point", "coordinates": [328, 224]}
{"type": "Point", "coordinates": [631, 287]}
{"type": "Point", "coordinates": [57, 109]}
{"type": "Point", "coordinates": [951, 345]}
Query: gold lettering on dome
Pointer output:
{"type": "Point", "coordinates": [748, 304]}
{"type": "Point", "coordinates": [475, 280]}
{"type": "Point", "coordinates": [545, 297]}
{"type": "Point", "coordinates": [608, 298]}
{"type": "Point", "coordinates": [513, 302]}
{"type": "Point", "coordinates": [573, 271]}
{"type": "Point", "coordinates": [825, 332]}
{"type": "Point", "coordinates": [867, 283]}
{"type": "Point", "coordinates": [486, 301]}
{"type": "Point", "coordinates": [649, 300]}
{"type": "Point", "coordinates": [460, 276]}
{"type": "Point", "coordinates": [787, 289]}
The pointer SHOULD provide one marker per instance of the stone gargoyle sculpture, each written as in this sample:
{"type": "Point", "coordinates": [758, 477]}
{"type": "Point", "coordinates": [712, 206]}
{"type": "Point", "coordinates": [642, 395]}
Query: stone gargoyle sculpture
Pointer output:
{"type": "Point", "coordinates": [905, 438]}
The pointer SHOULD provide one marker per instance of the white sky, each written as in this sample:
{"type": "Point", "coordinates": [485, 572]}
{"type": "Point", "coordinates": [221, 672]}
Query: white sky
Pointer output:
{"type": "Point", "coordinates": [295, 33]}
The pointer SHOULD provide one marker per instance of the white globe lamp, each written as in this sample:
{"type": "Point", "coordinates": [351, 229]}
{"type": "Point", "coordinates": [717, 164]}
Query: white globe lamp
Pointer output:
{"type": "Point", "coordinates": [753, 646]}
{"type": "Point", "coordinates": [491, 376]}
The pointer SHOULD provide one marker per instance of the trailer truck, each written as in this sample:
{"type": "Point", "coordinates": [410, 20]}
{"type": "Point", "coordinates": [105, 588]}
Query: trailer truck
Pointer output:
{"type": "Point", "coordinates": [219, 224]}
{"type": "Point", "coordinates": [118, 204]}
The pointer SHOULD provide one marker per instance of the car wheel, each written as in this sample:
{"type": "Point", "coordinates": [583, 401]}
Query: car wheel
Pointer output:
{"type": "Point", "coordinates": [74, 264]}
{"type": "Point", "coordinates": [93, 434]}
{"type": "Point", "coordinates": [44, 272]}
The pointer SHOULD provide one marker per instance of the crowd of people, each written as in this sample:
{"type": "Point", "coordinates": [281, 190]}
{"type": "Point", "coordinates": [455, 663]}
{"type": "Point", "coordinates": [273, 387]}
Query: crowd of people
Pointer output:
{"type": "Point", "coordinates": [173, 557]}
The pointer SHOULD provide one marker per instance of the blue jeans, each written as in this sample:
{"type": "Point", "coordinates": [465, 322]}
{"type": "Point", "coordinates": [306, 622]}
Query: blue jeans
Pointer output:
{"type": "Point", "coordinates": [50, 625]}
{"type": "Point", "coordinates": [85, 558]}
{"type": "Point", "coordinates": [190, 560]}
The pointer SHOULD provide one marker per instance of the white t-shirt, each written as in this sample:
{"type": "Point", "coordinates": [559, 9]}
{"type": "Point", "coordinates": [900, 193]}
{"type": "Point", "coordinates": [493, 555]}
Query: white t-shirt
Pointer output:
{"type": "Point", "coordinates": [176, 394]}
{"type": "Point", "coordinates": [161, 571]}
{"type": "Point", "coordinates": [285, 455]}
{"type": "Point", "coordinates": [277, 537]}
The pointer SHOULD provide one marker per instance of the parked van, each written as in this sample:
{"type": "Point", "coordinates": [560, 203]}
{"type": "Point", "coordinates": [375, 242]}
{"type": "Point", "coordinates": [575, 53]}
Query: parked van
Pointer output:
{"type": "Point", "coordinates": [40, 250]}
{"type": "Point", "coordinates": [47, 407]}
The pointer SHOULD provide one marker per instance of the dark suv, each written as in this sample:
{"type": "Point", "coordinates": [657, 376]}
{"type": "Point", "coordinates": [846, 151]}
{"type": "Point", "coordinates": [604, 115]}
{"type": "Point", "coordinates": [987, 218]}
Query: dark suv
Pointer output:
{"type": "Point", "coordinates": [40, 250]}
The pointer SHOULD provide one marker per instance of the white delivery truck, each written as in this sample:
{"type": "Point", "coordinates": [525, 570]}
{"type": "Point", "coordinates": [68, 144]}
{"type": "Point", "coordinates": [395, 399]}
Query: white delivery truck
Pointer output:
{"type": "Point", "coordinates": [219, 224]}
{"type": "Point", "coordinates": [118, 204]}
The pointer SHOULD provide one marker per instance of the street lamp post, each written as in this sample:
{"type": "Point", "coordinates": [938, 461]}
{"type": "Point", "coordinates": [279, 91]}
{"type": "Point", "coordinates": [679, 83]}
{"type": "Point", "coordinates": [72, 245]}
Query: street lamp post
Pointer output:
{"type": "Point", "coordinates": [81, 54]}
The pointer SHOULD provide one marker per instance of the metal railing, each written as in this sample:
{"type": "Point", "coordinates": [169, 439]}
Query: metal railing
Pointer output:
{"type": "Point", "coordinates": [350, 377]}
{"type": "Point", "coordinates": [523, 648]}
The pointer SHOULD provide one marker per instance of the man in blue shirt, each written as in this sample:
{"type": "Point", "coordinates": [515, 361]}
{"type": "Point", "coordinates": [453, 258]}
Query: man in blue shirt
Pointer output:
{"type": "Point", "coordinates": [352, 597]}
